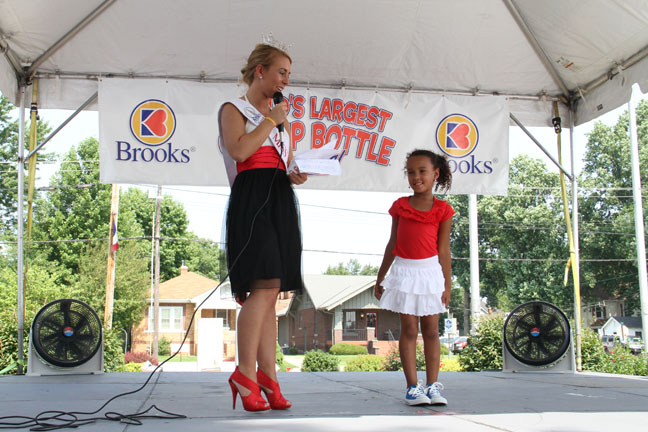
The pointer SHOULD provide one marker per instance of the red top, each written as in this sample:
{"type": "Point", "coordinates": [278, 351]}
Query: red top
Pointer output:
{"type": "Point", "coordinates": [416, 236]}
{"type": "Point", "coordinates": [264, 157]}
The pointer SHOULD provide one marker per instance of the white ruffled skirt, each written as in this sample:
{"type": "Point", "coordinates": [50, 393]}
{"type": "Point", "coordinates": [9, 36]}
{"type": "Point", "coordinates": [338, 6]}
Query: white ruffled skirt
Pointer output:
{"type": "Point", "coordinates": [414, 287]}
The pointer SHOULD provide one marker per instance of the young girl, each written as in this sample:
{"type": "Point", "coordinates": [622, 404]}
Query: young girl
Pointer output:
{"type": "Point", "coordinates": [418, 285]}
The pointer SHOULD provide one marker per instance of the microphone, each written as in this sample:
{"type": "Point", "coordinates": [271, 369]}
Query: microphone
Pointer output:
{"type": "Point", "coordinates": [277, 98]}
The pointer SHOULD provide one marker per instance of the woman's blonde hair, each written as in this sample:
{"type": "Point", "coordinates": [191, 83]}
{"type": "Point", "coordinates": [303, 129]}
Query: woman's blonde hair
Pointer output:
{"type": "Point", "coordinates": [263, 55]}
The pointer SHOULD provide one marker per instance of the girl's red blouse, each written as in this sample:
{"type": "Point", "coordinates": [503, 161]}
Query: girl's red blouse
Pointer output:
{"type": "Point", "coordinates": [417, 234]}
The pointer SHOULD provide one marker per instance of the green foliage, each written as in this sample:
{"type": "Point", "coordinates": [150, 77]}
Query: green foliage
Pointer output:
{"type": "Point", "coordinates": [293, 350]}
{"type": "Point", "coordinates": [353, 267]}
{"type": "Point", "coordinates": [484, 349]}
{"type": "Point", "coordinates": [9, 338]}
{"type": "Point", "coordinates": [113, 350]}
{"type": "Point", "coordinates": [392, 361]}
{"type": "Point", "coordinates": [450, 365]}
{"type": "Point", "coordinates": [343, 348]}
{"type": "Point", "coordinates": [130, 367]}
{"type": "Point", "coordinates": [594, 358]}
{"type": "Point", "coordinates": [280, 358]}
{"type": "Point", "coordinates": [364, 363]}
{"type": "Point", "coordinates": [319, 361]}
{"type": "Point", "coordinates": [622, 361]}
{"type": "Point", "coordinates": [164, 347]}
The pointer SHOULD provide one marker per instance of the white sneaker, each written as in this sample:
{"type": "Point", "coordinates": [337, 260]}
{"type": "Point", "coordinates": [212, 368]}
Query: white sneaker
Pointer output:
{"type": "Point", "coordinates": [433, 392]}
{"type": "Point", "coordinates": [416, 396]}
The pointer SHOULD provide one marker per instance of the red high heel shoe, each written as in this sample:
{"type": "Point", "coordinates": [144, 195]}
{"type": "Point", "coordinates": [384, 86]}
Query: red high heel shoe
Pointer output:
{"type": "Point", "coordinates": [272, 392]}
{"type": "Point", "coordinates": [251, 402]}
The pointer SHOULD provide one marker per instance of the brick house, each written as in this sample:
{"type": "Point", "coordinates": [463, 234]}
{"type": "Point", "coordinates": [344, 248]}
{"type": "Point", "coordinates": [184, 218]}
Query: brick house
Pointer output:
{"type": "Point", "coordinates": [338, 308]}
{"type": "Point", "coordinates": [178, 299]}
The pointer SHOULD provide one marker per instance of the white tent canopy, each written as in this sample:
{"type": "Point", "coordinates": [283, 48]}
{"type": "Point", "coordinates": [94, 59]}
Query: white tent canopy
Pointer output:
{"type": "Point", "coordinates": [585, 53]}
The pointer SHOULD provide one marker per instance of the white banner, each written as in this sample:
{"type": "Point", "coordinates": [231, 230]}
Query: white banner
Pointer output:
{"type": "Point", "coordinates": [159, 132]}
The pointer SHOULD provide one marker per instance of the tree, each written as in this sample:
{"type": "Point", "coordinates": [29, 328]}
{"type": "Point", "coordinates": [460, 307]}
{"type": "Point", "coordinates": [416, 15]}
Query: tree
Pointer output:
{"type": "Point", "coordinates": [353, 267]}
{"type": "Point", "coordinates": [8, 165]}
{"type": "Point", "coordinates": [607, 210]}
{"type": "Point", "coordinates": [76, 211]}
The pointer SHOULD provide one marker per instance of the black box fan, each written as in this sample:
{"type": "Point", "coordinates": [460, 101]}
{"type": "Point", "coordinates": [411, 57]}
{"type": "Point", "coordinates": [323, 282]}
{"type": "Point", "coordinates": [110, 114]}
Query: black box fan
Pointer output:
{"type": "Point", "coordinates": [67, 338]}
{"type": "Point", "coordinates": [537, 337]}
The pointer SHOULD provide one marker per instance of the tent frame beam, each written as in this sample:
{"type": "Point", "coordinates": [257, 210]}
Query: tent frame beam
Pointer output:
{"type": "Point", "coordinates": [542, 56]}
{"type": "Point", "coordinates": [67, 36]}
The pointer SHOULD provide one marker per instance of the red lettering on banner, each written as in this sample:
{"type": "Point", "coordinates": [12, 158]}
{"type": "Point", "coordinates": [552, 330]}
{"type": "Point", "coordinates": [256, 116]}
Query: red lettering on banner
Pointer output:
{"type": "Point", "coordinates": [384, 116]}
{"type": "Point", "coordinates": [384, 152]}
{"type": "Point", "coordinates": [313, 103]}
{"type": "Point", "coordinates": [336, 110]}
{"type": "Point", "coordinates": [326, 108]}
{"type": "Point", "coordinates": [297, 132]}
{"type": "Point", "coordinates": [372, 117]}
{"type": "Point", "coordinates": [363, 138]}
{"type": "Point", "coordinates": [297, 104]}
{"type": "Point", "coordinates": [334, 130]}
{"type": "Point", "coordinates": [317, 134]}
{"type": "Point", "coordinates": [362, 113]}
{"type": "Point", "coordinates": [349, 112]}
{"type": "Point", "coordinates": [348, 134]}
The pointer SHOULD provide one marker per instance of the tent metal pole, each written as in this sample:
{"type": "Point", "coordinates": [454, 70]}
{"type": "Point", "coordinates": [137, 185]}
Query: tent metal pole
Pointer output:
{"type": "Point", "coordinates": [21, 228]}
{"type": "Point", "coordinates": [638, 214]}
{"type": "Point", "coordinates": [15, 62]}
{"type": "Point", "coordinates": [536, 46]}
{"type": "Point", "coordinates": [530, 135]}
{"type": "Point", "coordinates": [575, 233]}
{"type": "Point", "coordinates": [62, 125]}
{"type": "Point", "coordinates": [69, 35]}
{"type": "Point", "coordinates": [475, 297]}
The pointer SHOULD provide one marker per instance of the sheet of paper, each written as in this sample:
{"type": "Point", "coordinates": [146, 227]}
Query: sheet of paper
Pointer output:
{"type": "Point", "coordinates": [319, 161]}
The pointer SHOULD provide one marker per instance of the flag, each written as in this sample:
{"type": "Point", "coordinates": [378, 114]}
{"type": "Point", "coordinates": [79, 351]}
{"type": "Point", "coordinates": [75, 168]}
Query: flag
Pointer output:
{"type": "Point", "coordinates": [114, 241]}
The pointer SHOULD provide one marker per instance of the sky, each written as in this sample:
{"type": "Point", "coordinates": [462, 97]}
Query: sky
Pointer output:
{"type": "Point", "coordinates": [336, 225]}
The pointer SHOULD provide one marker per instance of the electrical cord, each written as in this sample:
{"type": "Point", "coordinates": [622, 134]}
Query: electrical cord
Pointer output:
{"type": "Point", "coordinates": [54, 419]}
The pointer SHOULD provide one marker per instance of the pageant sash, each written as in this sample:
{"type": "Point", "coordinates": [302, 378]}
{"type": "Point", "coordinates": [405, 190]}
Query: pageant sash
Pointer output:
{"type": "Point", "coordinates": [254, 116]}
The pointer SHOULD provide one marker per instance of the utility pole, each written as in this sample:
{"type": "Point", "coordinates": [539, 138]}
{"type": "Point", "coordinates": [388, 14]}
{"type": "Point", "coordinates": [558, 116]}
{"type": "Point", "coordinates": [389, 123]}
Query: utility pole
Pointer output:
{"type": "Point", "coordinates": [156, 291]}
{"type": "Point", "coordinates": [112, 252]}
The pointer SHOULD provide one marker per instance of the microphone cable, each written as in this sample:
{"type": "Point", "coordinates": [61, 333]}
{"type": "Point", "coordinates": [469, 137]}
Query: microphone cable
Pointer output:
{"type": "Point", "coordinates": [55, 419]}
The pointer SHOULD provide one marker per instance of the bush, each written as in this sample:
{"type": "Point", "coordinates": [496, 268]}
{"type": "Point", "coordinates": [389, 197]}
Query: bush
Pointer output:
{"type": "Point", "coordinates": [164, 347]}
{"type": "Point", "coordinates": [450, 365]}
{"type": "Point", "coordinates": [622, 361]}
{"type": "Point", "coordinates": [293, 350]}
{"type": "Point", "coordinates": [319, 361]}
{"type": "Point", "coordinates": [9, 340]}
{"type": "Point", "coordinates": [364, 363]}
{"type": "Point", "coordinates": [343, 348]}
{"type": "Point", "coordinates": [392, 361]}
{"type": "Point", "coordinates": [594, 358]}
{"type": "Point", "coordinates": [280, 358]}
{"type": "Point", "coordinates": [484, 349]}
{"type": "Point", "coordinates": [129, 367]}
{"type": "Point", "coordinates": [113, 350]}
{"type": "Point", "coordinates": [135, 357]}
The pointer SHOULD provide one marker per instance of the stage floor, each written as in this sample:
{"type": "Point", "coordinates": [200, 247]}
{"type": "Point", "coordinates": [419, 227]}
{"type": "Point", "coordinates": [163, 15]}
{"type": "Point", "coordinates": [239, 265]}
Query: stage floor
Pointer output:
{"type": "Point", "coordinates": [354, 401]}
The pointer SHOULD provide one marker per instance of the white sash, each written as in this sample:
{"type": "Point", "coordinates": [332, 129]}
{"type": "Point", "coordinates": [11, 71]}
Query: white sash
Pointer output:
{"type": "Point", "coordinates": [255, 117]}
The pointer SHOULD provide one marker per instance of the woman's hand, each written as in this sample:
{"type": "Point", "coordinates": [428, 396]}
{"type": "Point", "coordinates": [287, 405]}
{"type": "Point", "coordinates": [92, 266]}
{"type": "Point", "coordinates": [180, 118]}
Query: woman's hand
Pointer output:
{"type": "Point", "coordinates": [297, 178]}
{"type": "Point", "coordinates": [279, 112]}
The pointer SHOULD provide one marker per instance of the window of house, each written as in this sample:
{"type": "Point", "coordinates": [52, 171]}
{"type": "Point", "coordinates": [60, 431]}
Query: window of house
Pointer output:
{"type": "Point", "coordinates": [371, 319]}
{"type": "Point", "coordinates": [223, 313]}
{"type": "Point", "coordinates": [599, 312]}
{"type": "Point", "coordinates": [350, 319]}
{"type": "Point", "coordinates": [170, 318]}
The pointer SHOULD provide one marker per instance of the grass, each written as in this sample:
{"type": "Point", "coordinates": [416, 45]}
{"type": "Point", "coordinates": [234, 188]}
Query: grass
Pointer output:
{"type": "Point", "coordinates": [178, 358]}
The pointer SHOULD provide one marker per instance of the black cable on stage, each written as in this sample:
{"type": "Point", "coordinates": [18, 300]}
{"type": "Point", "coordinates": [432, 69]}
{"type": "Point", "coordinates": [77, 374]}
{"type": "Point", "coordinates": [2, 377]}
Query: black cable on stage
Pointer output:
{"type": "Point", "coordinates": [54, 419]}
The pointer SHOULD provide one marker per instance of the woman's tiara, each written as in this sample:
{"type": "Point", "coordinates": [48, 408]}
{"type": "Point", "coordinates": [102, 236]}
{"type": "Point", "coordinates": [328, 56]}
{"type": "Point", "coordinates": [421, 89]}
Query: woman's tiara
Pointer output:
{"type": "Point", "coordinates": [270, 40]}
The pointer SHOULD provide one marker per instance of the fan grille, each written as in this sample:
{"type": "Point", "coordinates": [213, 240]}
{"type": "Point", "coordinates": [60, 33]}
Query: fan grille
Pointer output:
{"type": "Point", "coordinates": [66, 333]}
{"type": "Point", "coordinates": [537, 333]}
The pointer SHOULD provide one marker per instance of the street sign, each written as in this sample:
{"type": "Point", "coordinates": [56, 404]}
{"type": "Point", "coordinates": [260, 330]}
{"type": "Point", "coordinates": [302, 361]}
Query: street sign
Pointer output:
{"type": "Point", "coordinates": [448, 323]}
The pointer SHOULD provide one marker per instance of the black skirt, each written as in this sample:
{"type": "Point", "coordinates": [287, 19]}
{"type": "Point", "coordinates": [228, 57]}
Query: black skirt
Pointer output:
{"type": "Point", "coordinates": [273, 249]}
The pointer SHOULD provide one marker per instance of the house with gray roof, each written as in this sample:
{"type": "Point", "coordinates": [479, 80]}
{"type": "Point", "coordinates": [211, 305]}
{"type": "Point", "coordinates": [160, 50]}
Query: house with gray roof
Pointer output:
{"type": "Point", "coordinates": [337, 308]}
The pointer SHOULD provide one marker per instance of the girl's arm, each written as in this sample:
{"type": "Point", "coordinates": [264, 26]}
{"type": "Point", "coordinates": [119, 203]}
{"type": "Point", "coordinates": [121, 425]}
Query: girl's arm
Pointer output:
{"type": "Point", "coordinates": [240, 145]}
{"type": "Point", "coordinates": [387, 261]}
{"type": "Point", "coordinates": [443, 246]}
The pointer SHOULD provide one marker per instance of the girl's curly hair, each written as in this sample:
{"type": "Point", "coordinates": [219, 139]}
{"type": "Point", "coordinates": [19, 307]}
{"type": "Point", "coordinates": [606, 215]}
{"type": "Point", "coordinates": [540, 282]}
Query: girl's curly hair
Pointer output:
{"type": "Point", "coordinates": [444, 181]}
